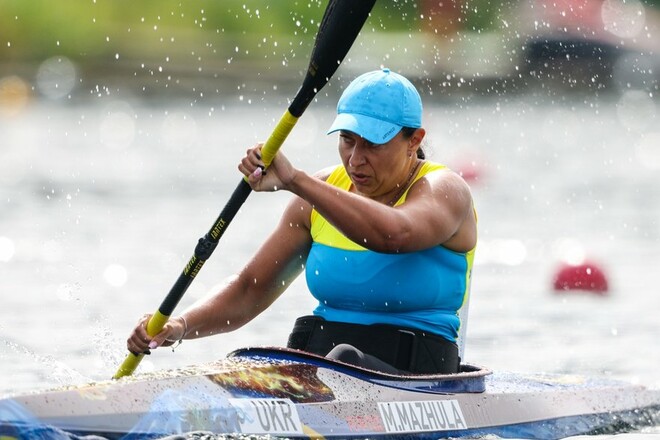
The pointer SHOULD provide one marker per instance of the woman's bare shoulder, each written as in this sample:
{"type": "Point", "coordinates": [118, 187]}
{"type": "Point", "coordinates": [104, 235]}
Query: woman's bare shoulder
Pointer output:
{"type": "Point", "coordinates": [446, 176]}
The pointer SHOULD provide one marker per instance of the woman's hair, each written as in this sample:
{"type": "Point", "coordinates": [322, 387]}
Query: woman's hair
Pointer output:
{"type": "Point", "coordinates": [407, 132]}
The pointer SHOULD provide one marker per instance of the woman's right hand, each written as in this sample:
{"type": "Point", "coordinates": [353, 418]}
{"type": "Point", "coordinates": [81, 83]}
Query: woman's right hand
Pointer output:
{"type": "Point", "coordinates": [140, 342]}
{"type": "Point", "coordinates": [278, 176]}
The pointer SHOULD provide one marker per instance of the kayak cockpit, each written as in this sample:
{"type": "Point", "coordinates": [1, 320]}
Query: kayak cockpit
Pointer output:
{"type": "Point", "coordinates": [471, 379]}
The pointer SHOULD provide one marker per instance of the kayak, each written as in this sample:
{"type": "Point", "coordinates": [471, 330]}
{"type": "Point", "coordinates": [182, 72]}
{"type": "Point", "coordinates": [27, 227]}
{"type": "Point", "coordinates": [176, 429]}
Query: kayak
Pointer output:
{"type": "Point", "coordinates": [289, 393]}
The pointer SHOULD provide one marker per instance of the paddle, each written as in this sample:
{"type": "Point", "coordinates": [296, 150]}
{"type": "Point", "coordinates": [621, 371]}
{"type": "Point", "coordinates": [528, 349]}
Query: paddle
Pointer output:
{"type": "Point", "coordinates": [339, 28]}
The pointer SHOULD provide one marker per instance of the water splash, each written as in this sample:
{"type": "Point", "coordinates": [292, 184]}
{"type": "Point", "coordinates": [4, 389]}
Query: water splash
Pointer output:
{"type": "Point", "coordinates": [58, 372]}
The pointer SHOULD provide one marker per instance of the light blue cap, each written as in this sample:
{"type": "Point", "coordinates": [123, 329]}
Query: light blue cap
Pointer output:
{"type": "Point", "coordinates": [376, 105]}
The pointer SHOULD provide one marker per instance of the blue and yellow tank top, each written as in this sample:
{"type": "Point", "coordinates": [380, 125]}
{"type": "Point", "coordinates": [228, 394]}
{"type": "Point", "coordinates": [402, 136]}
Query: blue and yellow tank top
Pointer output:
{"type": "Point", "coordinates": [423, 290]}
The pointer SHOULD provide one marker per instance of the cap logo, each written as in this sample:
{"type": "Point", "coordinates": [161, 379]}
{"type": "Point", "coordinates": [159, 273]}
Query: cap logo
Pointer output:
{"type": "Point", "coordinates": [387, 134]}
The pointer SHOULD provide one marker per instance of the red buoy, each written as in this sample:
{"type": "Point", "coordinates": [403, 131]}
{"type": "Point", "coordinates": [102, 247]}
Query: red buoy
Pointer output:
{"type": "Point", "coordinates": [586, 276]}
{"type": "Point", "coordinates": [469, 170]}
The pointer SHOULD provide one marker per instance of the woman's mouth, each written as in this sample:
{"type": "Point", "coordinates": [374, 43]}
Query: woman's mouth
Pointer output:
{"type": "Point", "coordinates": [359, 178]}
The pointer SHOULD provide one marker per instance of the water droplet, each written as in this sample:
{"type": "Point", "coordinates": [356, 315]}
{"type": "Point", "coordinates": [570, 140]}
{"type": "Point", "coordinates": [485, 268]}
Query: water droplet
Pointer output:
{"type": "Point", "coordinates": [116, 275]}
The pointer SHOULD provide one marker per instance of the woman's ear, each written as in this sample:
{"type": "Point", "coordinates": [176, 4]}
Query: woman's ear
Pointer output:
{"type": "Point", "coordinates": [416, 139]}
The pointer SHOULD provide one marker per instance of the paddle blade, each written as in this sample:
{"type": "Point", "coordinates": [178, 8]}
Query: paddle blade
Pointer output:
{"type": "Point", "coordinates": [338, 30]}
{"type": "Point", "coordinates": [341, 23]}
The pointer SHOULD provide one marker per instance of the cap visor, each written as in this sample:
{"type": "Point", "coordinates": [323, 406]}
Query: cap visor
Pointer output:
{"type": "Point", "coordinates": [372, 129]}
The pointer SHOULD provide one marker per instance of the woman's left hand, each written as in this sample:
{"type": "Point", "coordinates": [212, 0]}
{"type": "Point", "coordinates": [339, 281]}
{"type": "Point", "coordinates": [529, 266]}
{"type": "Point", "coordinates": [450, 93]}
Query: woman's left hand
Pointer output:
{"type": "Point", "coordinates": [140, 342]}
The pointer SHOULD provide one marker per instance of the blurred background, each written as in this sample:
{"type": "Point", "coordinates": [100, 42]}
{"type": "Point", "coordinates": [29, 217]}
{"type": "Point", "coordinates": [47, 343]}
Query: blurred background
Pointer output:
{"type": "Point", "coordinates": [205, 49]}
{"type": "Point", "coordinates": [121, 124]}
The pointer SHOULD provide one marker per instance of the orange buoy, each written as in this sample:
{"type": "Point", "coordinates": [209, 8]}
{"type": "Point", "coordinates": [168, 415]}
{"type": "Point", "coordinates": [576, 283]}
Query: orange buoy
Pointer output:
{"type": "Point", "coordinates": [586, 276]}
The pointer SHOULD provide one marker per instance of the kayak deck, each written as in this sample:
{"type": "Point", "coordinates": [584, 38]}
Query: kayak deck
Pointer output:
{"type": "Point", "coordinates": [284, 392]}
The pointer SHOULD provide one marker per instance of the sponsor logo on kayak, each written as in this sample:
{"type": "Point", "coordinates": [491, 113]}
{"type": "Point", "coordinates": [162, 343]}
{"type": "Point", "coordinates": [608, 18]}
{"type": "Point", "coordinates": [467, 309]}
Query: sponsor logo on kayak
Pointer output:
{"type": "Point", "coordinates": [420, 416]}
{"type": "Point", "coordinates": [267, 416]}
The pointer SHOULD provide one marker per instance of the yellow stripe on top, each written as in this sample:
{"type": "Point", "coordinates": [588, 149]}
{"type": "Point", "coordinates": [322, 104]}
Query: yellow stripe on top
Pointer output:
{"type": "Point", "coordinates": [325, 233]}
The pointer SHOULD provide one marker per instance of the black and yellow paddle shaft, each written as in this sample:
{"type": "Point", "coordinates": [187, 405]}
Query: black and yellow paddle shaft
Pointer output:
{"type": "Point", "coordinates": [339, 28]}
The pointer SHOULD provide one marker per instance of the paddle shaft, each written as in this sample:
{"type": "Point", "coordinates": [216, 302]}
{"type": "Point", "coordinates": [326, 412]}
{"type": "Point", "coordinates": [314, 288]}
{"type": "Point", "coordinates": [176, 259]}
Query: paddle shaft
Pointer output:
{"type": "Point", "coordinates": [339, 28]}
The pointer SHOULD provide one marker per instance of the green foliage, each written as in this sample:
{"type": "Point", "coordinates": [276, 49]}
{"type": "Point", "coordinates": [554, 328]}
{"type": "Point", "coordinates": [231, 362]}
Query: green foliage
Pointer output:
{"type": "Point", "coordinates": [481, 14]}
{"type": "Point", "coordinates": [97, 28]}
{"type": "Point", "coordinates": [107, 29]}
{"type": "Point", "coordinates": [104, 28]}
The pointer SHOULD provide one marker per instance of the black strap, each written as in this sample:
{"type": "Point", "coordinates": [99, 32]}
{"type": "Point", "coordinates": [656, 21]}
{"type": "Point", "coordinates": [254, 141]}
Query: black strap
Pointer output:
{"type": "Point", "coordinates": [406, 349]}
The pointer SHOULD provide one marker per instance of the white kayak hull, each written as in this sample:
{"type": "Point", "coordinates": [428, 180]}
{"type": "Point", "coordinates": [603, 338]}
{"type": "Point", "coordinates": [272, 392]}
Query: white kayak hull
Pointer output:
{"type": "Point", "coordinates": [288, 393]}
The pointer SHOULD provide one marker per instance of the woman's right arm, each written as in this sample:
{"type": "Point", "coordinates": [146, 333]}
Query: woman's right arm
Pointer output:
{"type": "Point", "coordinates": [279, 260]}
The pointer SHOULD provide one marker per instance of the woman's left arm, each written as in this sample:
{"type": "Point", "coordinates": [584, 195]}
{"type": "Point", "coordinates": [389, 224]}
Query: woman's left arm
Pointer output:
{"type": "Point", "coordinates": [438, 210]}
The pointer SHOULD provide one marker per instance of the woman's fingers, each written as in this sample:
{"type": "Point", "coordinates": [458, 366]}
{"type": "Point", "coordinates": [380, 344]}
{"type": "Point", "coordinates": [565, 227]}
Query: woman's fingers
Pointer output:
{"type": "Point", "coordinates": [251, 161]}
{"type": "Point", "coordinates": [139, 341]}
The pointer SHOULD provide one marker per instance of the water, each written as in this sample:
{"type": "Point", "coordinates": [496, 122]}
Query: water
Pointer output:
{"type": "Point", "coordinates": [101, 205]}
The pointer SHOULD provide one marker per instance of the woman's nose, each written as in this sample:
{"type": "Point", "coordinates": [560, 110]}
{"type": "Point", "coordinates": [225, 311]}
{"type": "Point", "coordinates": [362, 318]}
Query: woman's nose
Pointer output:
{"type": "Point", "coordinates": [357, 155]}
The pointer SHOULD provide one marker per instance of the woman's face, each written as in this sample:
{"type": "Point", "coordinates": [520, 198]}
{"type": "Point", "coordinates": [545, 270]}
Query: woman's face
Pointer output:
{"type": "Point", "coordinates": [375, 169]}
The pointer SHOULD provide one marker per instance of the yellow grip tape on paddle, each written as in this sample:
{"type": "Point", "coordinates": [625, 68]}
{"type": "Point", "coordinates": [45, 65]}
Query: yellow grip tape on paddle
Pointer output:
{"type": "Point", "coordinates": [277, 137]}
{"type": "Point", "coordinates": [154, 326]}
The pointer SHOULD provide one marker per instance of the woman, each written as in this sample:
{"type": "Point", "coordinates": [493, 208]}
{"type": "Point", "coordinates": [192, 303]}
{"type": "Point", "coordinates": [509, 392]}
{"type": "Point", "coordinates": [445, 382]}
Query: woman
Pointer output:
{"type": "Point", "coordinates": [386, 240]}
